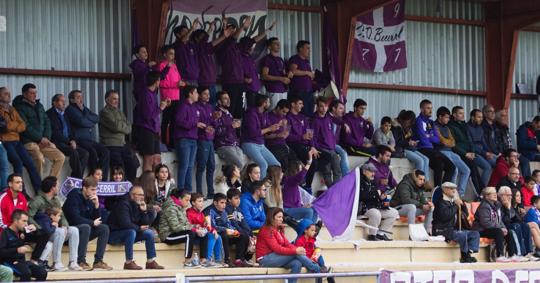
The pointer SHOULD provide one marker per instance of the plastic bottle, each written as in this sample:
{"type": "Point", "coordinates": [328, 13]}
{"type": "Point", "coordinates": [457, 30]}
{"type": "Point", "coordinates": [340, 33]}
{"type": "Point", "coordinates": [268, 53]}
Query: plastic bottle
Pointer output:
{"type": "Point", "coordinates": [195, 259]}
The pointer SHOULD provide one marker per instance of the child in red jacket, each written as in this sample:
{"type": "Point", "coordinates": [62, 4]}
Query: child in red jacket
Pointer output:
{"type": "Point", "coordinates": [207, 235]}
{"type": "Point", "coordinates": [307, 234]}
{"type": "Point", "coordinates": [528, 191]}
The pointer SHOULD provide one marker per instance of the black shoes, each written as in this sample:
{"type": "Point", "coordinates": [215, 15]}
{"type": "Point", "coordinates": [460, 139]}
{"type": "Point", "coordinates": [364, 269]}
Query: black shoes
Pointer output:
{"type": "Point", "coordinates": [383, 237]}
{"type": "Point", "coordinates": [467, 258]}
{"type": "Point", "coordinates": [373, 238]}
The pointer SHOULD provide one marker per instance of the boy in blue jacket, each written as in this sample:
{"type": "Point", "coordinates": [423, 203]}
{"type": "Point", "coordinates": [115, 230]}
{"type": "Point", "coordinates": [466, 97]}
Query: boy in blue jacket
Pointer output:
{"type": "Point", "coordinates": [533, 215]}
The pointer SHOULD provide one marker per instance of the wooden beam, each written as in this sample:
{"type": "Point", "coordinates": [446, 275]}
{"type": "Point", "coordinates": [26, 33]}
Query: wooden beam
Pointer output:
{"type": "Point", "coordinates": [66, 74]}
{"type": "Point", "coordinates": [296, 8]}
{"type": "Point", "coordinates": [411, 88]}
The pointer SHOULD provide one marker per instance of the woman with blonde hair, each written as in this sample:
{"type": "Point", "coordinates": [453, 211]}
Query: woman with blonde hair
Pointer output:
{"type": "Point", "coordinates": [275, 197]}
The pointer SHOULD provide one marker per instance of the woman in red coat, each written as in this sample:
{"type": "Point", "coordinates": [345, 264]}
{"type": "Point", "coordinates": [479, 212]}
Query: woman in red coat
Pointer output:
{"type": "Point", "coordinates": [274, 250]}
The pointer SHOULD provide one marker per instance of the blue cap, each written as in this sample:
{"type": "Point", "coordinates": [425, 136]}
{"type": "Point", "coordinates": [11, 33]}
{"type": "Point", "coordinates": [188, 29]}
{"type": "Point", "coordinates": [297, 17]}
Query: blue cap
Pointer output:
{"type": "Point", "coordinates": [303, 225]}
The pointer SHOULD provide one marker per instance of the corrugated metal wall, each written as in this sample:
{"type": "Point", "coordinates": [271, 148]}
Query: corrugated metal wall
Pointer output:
{"type": "Point", "coordinates": [67, 35]}
{"type": "Point", "coordinates": [293, 26]}
{"type": "Point", "coordinates": [527, 66]}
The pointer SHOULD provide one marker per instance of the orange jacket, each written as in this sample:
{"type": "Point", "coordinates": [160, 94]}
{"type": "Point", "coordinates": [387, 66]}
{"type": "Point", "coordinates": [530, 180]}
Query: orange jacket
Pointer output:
{"type": "Point", "coordinates": [15, 125]}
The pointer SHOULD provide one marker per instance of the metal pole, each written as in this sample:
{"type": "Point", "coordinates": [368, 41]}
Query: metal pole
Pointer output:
{"type": "Point", "coordinates": [277, 276]}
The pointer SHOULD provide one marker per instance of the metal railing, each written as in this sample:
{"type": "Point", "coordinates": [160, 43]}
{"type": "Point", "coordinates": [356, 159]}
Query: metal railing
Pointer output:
{"type": "Point", "coordinates": [182, 278]}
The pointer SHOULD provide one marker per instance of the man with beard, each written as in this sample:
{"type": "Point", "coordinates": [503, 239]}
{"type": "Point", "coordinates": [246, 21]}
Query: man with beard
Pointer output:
{"type": "Point", "coordinates": [226, 140]}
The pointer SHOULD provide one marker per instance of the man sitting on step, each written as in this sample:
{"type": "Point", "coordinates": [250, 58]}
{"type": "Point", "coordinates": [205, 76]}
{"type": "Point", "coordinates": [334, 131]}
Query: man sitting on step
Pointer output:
{"type": "Point", "coordinates": [409, 199]}
{"type": "Point", "coordinates": [450, 221]}
{"type": "Point", "coordinates": [130, 221]}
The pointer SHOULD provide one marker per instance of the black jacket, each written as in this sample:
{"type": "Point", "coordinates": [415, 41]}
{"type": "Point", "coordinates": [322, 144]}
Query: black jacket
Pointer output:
{"type": "Point", "coordinates": [510, 216]}
{"type": "Point", "coordinates": [401, 138]}
{"type": "Point", "coordinates": [445, 218]}
{"type": "Point", "coordinates": [57, 136]}
{"type": "Point", "coordinates": [79, 210]}
{"type": "Point", "coordinates": [489, 136]}
{"type": "Point", "coordinates": [513, 186]}
{"type": "Point", "coordinates": [237, 220]}
{"type": "Point", "coordinates": [9, 242]}
{"type": "Point", "coordinates": [126, 214]}
{"type": "Point", "coordinates": [369, 196]}
{"type": "Point", "coordinates": [503, 141]}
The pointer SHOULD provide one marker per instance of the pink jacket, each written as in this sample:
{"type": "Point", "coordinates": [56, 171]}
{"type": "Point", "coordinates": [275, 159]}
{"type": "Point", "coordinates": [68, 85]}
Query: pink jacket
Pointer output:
{"type": "Point", "coordinates": [168, 87]}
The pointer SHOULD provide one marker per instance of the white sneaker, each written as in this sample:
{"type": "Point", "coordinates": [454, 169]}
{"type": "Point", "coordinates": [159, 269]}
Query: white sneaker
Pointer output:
{"type": "Point", "coordinates": [74, 267]}
{"type": "Point", "coordinates": [59, 267]}
{"type": "Point", "coordinates": [515, 258]}
{"type": "Point", "coordinates": [531, 257]}
{"type": "Point", "coordinates": [502, 259]}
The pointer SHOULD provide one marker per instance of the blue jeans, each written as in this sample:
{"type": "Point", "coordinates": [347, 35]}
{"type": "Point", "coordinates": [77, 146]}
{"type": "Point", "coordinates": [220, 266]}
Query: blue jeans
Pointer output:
{"type": "Point", "coordinates": [462, 169]}
{"type": "Point", "coordinates": [344, 160]}
{"type": "Point", "coordinates": [4, 168]}
{"type": "Point", "coordinates": [186, 150]}
{"type": "Point", "coordinates": [260, 155]}
{"type": "Point", "coordinates": [214, 246]}
{"type": "Point", "coordinates": [485, 166]}
{"type": "Point", "coordinates": [18, 156]}
{"type": "Point", "coordinates": [294, 262]}
{"type": "Point", "coordinates": [300, 213]}
{"type": "Point", "coordinates": [128, 237]}
{"type": "Point", "coordinates": [467, 240]}
{"type": "Point", "coordinates": [205, 160]}
{"type": "Point", "coordinates": [521, 234]}
{"type": "Point", "coordinates": [421, 162]}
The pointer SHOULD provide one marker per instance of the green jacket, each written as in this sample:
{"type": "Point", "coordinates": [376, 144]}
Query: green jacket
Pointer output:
{"type": "Point", "coordinates": [173, 219]}
{"type": "Point", "coordinates": [113, 127]}
{"type": "Point", "coordinates": [408, 193]}
{"type": "Point", "coordinates": [463, 141]}
{"type": "Point", "coordinates": [39, 204]}
{"type": "Point", "coordinates": [37, 122]}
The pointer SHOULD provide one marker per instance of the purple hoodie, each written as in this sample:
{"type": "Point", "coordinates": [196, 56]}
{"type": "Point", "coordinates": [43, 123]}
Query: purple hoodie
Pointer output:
{"type": "Point", "coordinates": [187, 117]}
{"type": "Point", "coordinates": [207, 64]}
{"type": "Point", "coordinates": [299, 124]}
{"type": "Point", "coordinates": [139, 69]}
{"type": "Point", "coordinates": [230, 59]}
{"type": "Point", "coordinates": [383, 172]}
{"type": "Point", "coordinates": [323, 134]}
{"type": "Point", "coordinates": [148, 111]}
{"type": "Point", "coordinates": [225, 134]}
{"type": "Point", "coordinates": [205, 116]}
{"type": "Point", "coordinates": [291, 194]}
{"type": "Point", "coordinates": [187, 60]}
{"type": "Point", "coordinates": [360, 129]}
{"type": "Point", "coordinates": [273, 118]}
{"type": "Point", "coordinates": [252, 125]}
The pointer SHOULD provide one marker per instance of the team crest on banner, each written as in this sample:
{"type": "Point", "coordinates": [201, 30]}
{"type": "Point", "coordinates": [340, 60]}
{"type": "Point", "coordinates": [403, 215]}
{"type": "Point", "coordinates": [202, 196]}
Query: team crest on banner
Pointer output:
{"type": "Point", "coordinates": [379, 39]}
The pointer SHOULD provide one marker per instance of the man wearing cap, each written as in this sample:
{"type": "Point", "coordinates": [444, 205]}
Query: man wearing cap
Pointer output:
{"type": "Point", "coordinates": [409, 199]}
{"type": "Point", "coordinates": [449, 209]}
{"type": "Point", "coordinates": [375, 206]}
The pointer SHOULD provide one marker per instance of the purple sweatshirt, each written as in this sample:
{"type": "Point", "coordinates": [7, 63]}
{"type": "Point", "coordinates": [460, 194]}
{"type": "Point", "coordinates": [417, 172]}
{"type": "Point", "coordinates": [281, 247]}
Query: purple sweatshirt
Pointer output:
{"type": "Point", "coordinates": [187, 117]}
{"type": "Point", "coordinates": [252, 124]}
{"type": "Point", "coordinates": [425, 132]}
{"type": "Point", "coordinates": [187, 60]}
{"type": "Point", "coordinates": [230, 59]}
{"type": "Point", "coordinates": [301, 83]}
{"type": "Point", "coordinates": [291, 194]}
{"type": "Point", "coordinates": [273, 118]}
{"type": "Point", "coordinates": [225, 134]}
{"type": "Point", "coordinates": [207, 64]}
{"type": "Point", "coordinates": [205, 116]}
{"type": "Point", "coordinates": [323, 134]}
{"type": "Point", "coordinates": [250, 72]}
{"type": "Point", "coordinates": [147, 112]}
{"type": "Point", "coordinates": [299, 125]}
{"type": "Point", "coordinates": [360, 129]}
{"type": "Point", "coordinates": [139, 69]}
{"type": "Point", "coordinates": [276, 67]}
{"type": "Point", "coordinates": [383, 172]}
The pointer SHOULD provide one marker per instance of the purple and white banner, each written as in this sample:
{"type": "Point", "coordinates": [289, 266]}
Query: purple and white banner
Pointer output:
{"type": "Point", "coordinates": [103, 189]}
{"type": "Point", "coordinates": [461, 276]}
{"type": "Point", "coordinates": [184, 12]}
{"type": "Point", "coordinates": [379, 39]}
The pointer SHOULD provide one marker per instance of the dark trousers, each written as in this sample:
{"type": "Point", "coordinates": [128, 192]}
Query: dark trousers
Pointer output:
{"type": "Point", "coordinates": [27, 269]}
{"type": "Point", "coordinates": [78, 158]}
{"type": "Point", "coordinates": [301, 152]}
{"type": "Point", "coordinates": [88, 233]}
{"type": "Point", "coordinates": [40, 238]}
{"type": "Point", "coordinates": [124, 157]}
{"type": "Point", "coordinates": [186, 236]}
{"type": "Point", "coordinates": [475, 175]}
{"type": "Point", "coordinates": [19, 157]}
{"type": "Point", "coordinates": [98, 156]}
{"type": "Point", "coordinates": [168, 121]}
{"type": "Point", "coordinates": [205, 162]}
{"type": "Point", "coordinates": [241, 243]}
{"type": "Point", "coordinates": [235, 93]}
{"type": "Point", "coordinates": [497, 235]}
{"type": "Point", "coordinates": [440, 165]}
{"type": "Point", "coordinates": [283, 154]}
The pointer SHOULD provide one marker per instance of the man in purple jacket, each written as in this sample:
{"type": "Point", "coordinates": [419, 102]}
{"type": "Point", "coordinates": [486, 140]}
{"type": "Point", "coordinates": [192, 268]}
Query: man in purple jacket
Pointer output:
{"type": "Point", "coordinates": [384, 180]}
{"type": "Point", "coordinates": [186, 53]}
{"type": "Point", "coordinates": [146, 126]}
{"type": "Point", "coordinates": [205, 142]}
{"type": "Point", "coordinates": [188, 121]}
{"type": "Point", "coordinates": [427, 136]}
{"type": "Point", "coordinates": [357, 141]}
{"type": "Point", "coordinates": [325, 142]}
{"type": "Point", "coordinates": [273, 73]}
{"type": "Point", "coordinates": [226, 140]}
{"type": "Point", "coordinates": [254, 127]}
{"type": "Point", "coordinates": [275, 142]}
{"type": "Point", "coordinates": [302, 80]}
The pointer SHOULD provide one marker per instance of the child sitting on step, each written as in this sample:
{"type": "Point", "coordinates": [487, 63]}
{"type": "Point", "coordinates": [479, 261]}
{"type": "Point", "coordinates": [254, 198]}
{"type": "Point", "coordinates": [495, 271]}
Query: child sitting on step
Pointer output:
{"type": "Point", "coordinates": [307, 234]}
{"type": "Point", "coordinates": [211, 243]}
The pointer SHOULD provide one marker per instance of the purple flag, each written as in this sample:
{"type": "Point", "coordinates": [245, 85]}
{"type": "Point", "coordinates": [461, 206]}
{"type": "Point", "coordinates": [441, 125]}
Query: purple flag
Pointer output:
{"type": "Point", "coordinates": [379, 40]}
{"type": "Point", "coordinates": [463, 275]}
{"type": "Point", "coordinates": [338, 206]}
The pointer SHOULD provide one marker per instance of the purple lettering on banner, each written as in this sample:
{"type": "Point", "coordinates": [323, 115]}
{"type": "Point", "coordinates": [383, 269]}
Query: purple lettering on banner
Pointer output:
{"type": "Point", "coordinates": [461, 276]}
{"type": "Point", "coordinates": [379, 40]}
{"type": "Point", "coordinates": [103, 189]}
